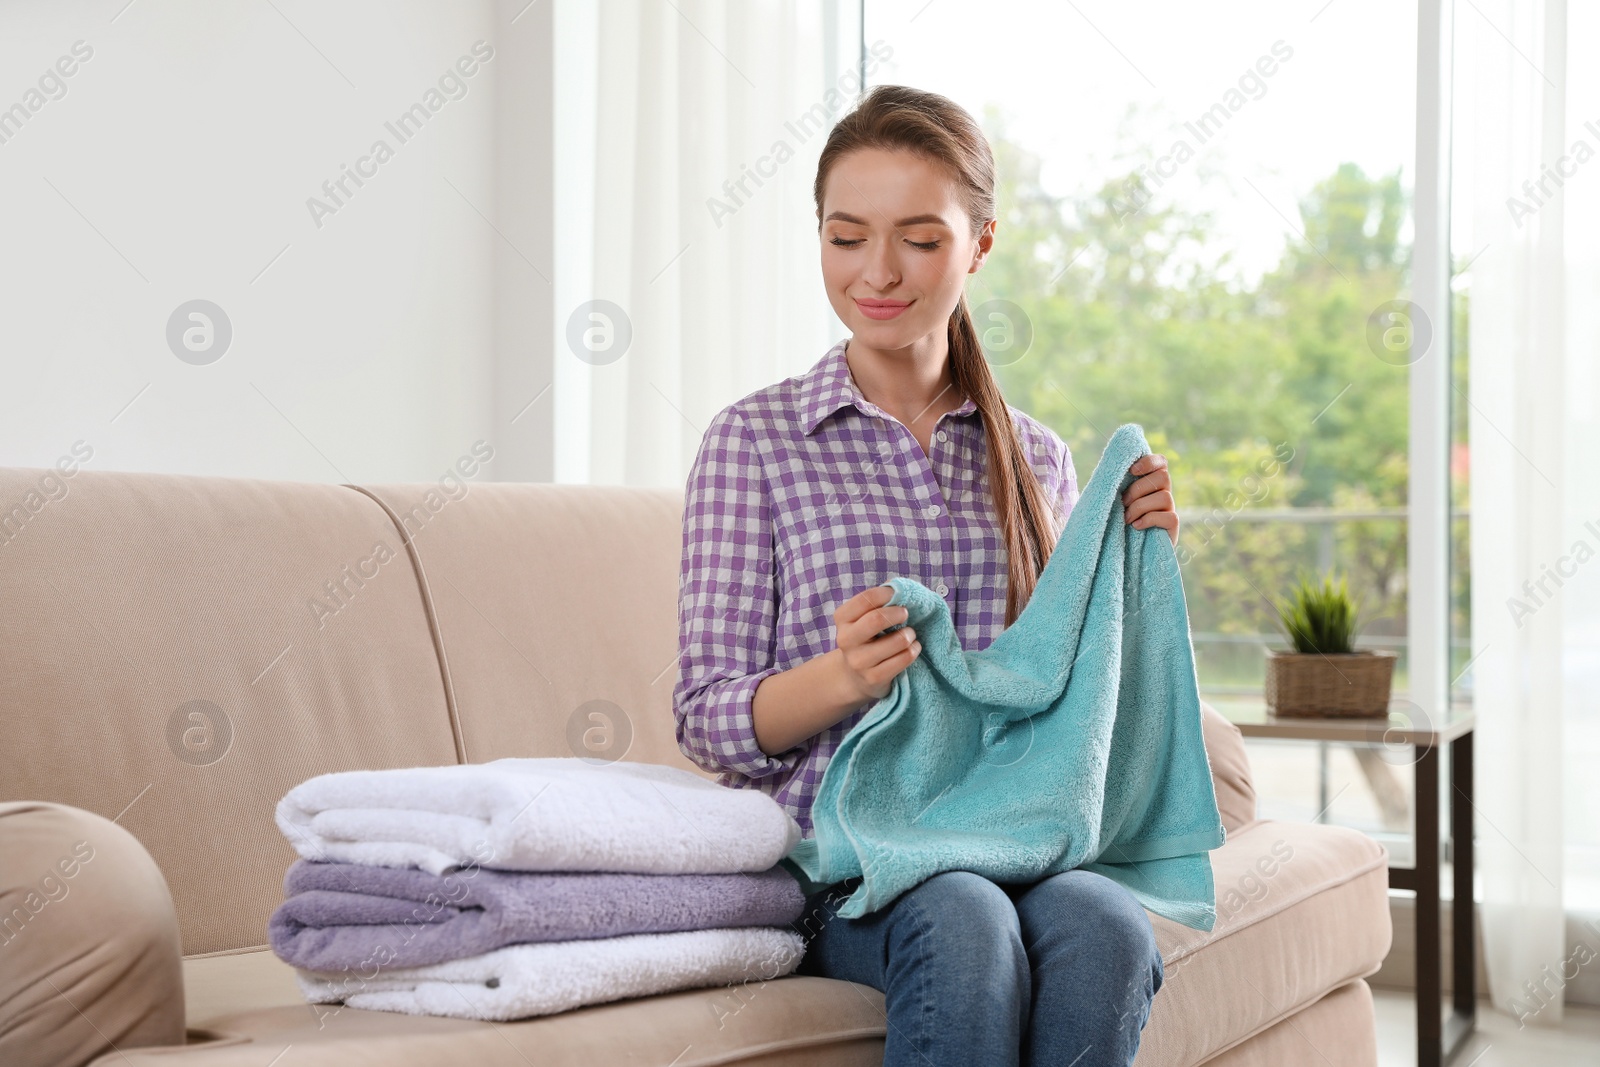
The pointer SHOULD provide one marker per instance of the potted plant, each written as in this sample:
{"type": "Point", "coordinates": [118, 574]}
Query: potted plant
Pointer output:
{"type": "Point", "coordinates": [1325, 675]}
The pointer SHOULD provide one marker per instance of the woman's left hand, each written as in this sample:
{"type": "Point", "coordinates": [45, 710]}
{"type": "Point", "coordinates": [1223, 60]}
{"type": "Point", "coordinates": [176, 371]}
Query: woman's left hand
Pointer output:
{"type": "Point", "coordinates": [1149, 499]}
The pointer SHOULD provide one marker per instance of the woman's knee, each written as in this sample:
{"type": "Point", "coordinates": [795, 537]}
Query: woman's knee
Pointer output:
{"type": "Point", "coordinates": [962, 914]}
{"type": "Point", "coordinates": [980, 904]}
{"type": "Point", "coordinates": [1099, 910]}
{"type": "Point", "coordinates": [954, 929]}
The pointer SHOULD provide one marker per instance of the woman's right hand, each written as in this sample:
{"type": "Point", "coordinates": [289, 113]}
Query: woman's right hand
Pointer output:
{"type": "Point", "coordinates": [870, 663]}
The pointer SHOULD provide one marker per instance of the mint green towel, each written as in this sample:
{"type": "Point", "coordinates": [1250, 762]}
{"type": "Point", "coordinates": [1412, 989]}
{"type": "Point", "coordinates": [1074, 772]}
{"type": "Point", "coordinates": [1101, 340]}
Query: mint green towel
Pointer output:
{"type": "Point", "coordinates": [1073, 740]}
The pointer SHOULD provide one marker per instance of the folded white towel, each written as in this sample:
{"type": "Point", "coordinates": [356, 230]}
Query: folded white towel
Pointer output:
{"type": "Point", "coordinates": [545, 814]}
{"type": "Point", "coordinates": [553, 976]}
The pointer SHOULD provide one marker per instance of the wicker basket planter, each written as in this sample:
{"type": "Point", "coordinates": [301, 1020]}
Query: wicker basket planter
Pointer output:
{"type": "Point", "coordinates": [1311, 685]}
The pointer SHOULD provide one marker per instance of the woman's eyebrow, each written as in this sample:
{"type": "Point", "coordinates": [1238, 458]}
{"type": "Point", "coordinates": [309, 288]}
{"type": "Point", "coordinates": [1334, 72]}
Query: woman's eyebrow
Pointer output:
{"type": "Point", "coordinates": [910, 220]}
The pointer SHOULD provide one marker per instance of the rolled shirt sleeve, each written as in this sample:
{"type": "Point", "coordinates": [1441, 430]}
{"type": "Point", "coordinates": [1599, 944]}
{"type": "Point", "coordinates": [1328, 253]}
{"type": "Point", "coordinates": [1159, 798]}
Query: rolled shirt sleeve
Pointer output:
{"type": "Point", "coordinates": [1066, 485]}
{"type": "Point", "coordinates": [1069, 483]}
{"type": "Point", "coordinates": [727, 604]}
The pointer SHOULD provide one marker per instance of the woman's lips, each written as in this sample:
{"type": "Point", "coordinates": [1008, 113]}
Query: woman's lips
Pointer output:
{"type": "Point", "coordinates": [882, 309]}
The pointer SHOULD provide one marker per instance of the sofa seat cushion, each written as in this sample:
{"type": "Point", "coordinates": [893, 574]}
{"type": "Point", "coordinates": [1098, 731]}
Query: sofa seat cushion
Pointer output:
{"type": "Point", "coordinates": [1302, 909]}
{"type": "Point", "coordinates": [795, 1020]}
{"type": "Point", "coordinates": [1340, 1030]}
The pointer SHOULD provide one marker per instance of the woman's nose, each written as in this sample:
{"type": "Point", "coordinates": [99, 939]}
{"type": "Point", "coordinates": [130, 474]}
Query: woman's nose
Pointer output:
{"type": "Point", "coordinates": [881, 272]}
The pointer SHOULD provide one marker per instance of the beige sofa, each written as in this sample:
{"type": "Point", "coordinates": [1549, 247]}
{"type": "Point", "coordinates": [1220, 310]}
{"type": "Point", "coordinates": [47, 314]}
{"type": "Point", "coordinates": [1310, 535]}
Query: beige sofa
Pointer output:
{"type": "Point", "coordinates": [179, 651]}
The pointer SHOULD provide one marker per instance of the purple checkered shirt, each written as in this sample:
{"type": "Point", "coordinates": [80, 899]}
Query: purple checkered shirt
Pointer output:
{"type": "Point", "coordinates": [804, 494]}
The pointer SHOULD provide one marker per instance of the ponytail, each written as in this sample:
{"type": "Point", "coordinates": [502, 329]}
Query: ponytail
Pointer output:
{"type": "Point", "coordinates": [1027, 518]}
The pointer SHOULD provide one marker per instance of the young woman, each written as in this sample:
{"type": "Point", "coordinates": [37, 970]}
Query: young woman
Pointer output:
{"type": "Point", "coordinates": [896, 454]}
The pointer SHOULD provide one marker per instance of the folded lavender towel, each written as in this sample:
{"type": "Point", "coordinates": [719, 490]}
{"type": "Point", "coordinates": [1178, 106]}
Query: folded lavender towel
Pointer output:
{"type": "Point", "coordinates": [348, 915]}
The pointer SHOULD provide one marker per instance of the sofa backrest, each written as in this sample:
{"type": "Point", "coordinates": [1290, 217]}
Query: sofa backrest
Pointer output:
{"type": "Point", "coordinates": [177, 652]}
{"type": "Point", "coordinates": [556, 607]}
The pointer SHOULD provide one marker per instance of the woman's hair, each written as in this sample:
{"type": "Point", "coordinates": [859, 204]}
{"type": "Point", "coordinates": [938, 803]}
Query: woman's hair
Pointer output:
{"type": "Point", "coordinates": [898, 117]}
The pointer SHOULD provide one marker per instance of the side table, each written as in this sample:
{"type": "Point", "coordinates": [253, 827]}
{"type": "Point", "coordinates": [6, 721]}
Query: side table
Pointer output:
{"type": "Point", "coordinates": [1441, 1033]}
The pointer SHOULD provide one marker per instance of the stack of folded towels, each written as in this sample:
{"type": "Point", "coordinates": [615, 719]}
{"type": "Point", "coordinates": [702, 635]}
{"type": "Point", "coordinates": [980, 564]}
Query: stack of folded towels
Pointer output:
{"type": "Point", "coordinates": [525, 887]}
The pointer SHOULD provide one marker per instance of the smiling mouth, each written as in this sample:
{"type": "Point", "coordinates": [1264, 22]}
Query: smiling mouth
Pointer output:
{"type": "Point", "coordinates": [882, 309]}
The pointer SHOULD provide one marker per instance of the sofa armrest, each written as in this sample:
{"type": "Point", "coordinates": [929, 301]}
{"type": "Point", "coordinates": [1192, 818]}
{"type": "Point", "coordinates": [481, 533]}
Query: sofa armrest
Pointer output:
{"type": "Point", "coordinates": [1230, 770]}
{"type": "Point", "coordinates": [90, 956]}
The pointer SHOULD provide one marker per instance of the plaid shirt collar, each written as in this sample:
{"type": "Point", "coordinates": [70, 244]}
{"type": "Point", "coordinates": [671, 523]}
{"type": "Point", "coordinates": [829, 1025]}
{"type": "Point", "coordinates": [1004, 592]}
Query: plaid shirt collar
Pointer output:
{"type": "Point", "coordinates": [829, 386]}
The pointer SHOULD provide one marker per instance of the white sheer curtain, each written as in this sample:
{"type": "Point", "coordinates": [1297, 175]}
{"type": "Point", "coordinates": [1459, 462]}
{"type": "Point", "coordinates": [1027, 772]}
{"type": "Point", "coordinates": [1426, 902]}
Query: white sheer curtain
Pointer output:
{"type": "Point", "coordinates": [1524, 99]}
{"type": "Point", "coordinates": [688, 135]}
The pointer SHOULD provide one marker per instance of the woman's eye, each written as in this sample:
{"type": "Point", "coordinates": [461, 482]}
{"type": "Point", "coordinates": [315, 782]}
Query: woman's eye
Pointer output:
{"type": "Point", "coordinates": [926, 246]}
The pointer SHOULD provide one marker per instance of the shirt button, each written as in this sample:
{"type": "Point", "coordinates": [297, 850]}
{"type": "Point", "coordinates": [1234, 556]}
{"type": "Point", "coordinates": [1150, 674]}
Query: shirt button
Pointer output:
{"type": "Point", "coordinates": [944, 590]}
{"type": "Point", "coordinates": [941, 435]}
{"type": "Point", "coordinates": [933, 511]}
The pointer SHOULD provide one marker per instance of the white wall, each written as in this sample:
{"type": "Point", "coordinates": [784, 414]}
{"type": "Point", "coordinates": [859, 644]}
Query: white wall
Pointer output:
{"type": "Point", "coordinates": [177, 165]}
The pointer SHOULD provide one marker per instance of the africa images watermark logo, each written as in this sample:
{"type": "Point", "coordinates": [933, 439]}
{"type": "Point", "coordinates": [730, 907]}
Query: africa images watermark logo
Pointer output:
{"type": "Point", "coordinates": [452, 86]}
{"type": "Point", "coordinates": [1536, 592]}
{"type": "Point", "coordinates": [818, 118]}
{"type": "Point", "coordinates": [1538, 191]}
{"type": "Point", "coordinates": [1141, 185]}
{"type": "Point", "coordinates": [52, 86]}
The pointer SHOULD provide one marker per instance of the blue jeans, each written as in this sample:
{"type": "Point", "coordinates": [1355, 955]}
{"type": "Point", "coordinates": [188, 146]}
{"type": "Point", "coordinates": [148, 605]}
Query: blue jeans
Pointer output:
{"type": "Point", "coordinates": [1061, 971]}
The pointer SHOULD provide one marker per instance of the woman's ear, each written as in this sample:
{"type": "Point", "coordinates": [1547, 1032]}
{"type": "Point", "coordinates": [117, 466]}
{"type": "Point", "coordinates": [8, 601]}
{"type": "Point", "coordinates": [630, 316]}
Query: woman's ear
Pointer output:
{"type": "Point", "coordinates": [985, 243]}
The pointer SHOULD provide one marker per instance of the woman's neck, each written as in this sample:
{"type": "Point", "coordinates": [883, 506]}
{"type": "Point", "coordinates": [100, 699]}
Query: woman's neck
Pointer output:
{"type": "Point", "coordinates": [912, 384]}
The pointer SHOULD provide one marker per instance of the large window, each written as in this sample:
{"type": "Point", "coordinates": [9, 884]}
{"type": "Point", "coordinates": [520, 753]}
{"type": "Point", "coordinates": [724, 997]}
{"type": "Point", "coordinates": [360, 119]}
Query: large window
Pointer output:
{"type": "Point", "coordinates": [1202, 231]}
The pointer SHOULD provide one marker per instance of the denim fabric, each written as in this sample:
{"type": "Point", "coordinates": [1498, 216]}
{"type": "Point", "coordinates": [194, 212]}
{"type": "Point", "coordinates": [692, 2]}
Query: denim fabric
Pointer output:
{"type": "Point", "coordinates": [1061, 971]}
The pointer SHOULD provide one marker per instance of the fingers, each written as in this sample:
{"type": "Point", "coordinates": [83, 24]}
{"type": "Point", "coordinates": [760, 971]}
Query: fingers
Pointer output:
{"type": "Point", "coordinates": [1150, 461]}
{"type": "Point", "coordinates": [867, 600]}
{"type": "Point", "coordinates": [869, 611]}
{"type": "Point", "coordinates": [865, 630]}
{"type": "Point", "coordinates": [1167, 520]}
{"type": "Point", "coordinates": [898, 649]}
{"type": "Point", "coordinates": [1159, 502]}
{"type": "Point", "coordinates": [872, 658]}
{"type": "Point", "coordinates": [1150, 483]}
{"type": "Point", "coordinates": [1148, 499]}
{"type": "Point", "coordinates": [866, 615]}
{"type": "Point", "coordinates": [898, 654]}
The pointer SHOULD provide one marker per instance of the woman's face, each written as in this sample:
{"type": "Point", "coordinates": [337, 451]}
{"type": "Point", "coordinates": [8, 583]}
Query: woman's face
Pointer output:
{"type": "Point", "coordinates": [894, 231]}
